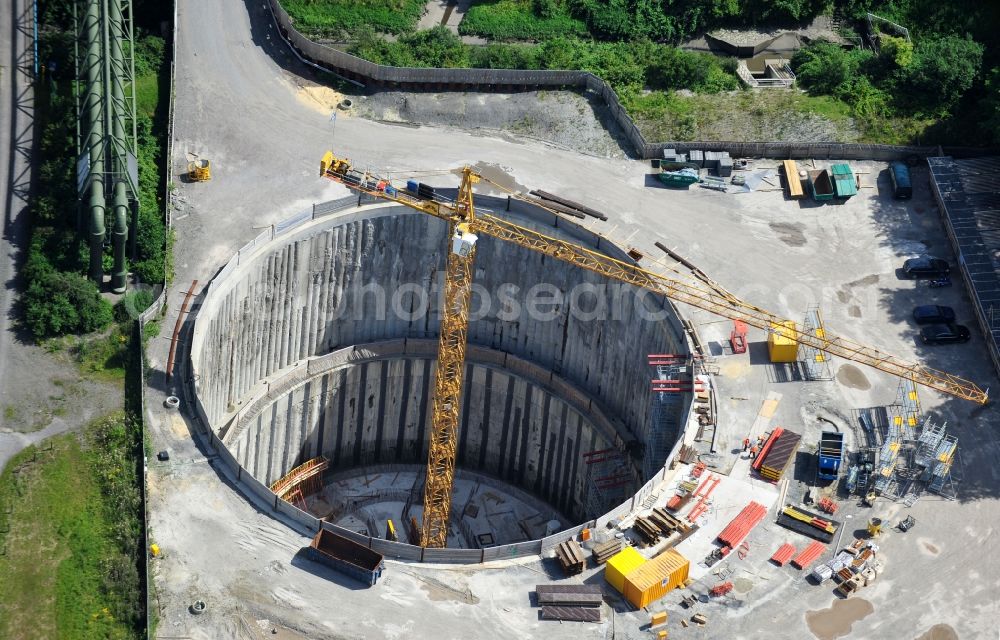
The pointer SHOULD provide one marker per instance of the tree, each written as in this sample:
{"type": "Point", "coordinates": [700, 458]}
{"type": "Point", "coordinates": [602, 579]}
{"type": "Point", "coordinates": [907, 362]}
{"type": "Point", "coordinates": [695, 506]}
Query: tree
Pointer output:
{"type": "Point", "coordinates": [990, 107]}
{"type": "Point", "coordinates": [897, 50]}
{"type": "Point", "coordinates": [56, 303]}
{"type": "Point", "coordinates": [437, 47]}
{"type": "Point", "coordinates": [824, 67]}
{"type": "Point", "coordinates": [943, 69]}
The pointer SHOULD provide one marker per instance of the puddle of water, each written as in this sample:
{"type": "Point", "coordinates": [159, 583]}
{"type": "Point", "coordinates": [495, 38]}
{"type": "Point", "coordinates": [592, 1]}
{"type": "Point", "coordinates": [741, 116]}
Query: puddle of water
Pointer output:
{"type": "Point", "coordinates": [853, 378]}
{"type": "Point", "coordinates": [836, 622]}
{"type": "Point", "coordinates": [496, 174]}
{"type": "Point", "coordinates": [939, 632]}
{"type": "Point", "coordinates": [790, 234]}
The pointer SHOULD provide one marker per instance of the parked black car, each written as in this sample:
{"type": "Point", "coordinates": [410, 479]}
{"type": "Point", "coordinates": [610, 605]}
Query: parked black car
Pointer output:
{"type": "Point", "coordinates": [944, 333]}
{"type": "Point", "coordinates": [926, 268]}
{"type": "Point", "coordinates": [933, 314]}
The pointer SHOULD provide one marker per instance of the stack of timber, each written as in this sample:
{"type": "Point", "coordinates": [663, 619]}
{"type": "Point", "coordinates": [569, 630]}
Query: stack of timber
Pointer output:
{"type": "Point", "coordinates": [605, 550]}
{"type": "Point", "coordinates": [570, 602]}
{"type": "Point", "coordinates": [808, 523]}
{"type": "Point", "coordinates": [658, 524]}
{"type": "Point", "coordinates": [780, 455]}
{"type": "Point", "coordinates": [571, 558]}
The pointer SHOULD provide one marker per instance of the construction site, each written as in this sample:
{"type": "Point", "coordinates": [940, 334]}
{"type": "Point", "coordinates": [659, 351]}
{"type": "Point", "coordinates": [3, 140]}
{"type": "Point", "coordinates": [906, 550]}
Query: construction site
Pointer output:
{"type": "Point", "coordinates": [433, 383]}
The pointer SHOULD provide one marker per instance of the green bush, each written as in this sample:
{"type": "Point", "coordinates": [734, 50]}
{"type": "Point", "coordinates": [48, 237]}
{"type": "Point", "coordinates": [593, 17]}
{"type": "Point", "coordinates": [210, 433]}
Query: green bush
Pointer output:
{"type": "Point", "coordinates": [336, 18]}
{"type": "Point", "coordinates": [520, 20]}
{"type": "Point", "coordinates": [943, 69]}
{"type": "Point", "coordinates": [57, 302]}
{"type": "Point", "coordinates": [823, 67]}
{"type": "Point", "coordinates": [500, 56]}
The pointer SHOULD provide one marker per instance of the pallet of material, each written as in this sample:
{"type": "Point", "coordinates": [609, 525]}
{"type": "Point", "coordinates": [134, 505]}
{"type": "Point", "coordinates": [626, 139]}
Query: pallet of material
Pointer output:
{"type": "Point", "coordinates": [571, 614]}
{"type": "Point", "coordinates": [783, 554]}
{"type": "Point", "coordinates": [605, 550]}
{"type": "Point", "coordinates": [780, 455]}
{"type": "Point", "coordinates": [808, 555]}
{"type": "Point", "coordinates": [667, 522]}
{"type": "Point", "coordinates": [649, 532]}
{"type": "Point", "coordinates": [742, 524]}
{"type": "Point", "coordinates": [759, 460]}
{"type": "Point", "coordinates": [571, 557]}
{"type": "Point", "coordinates": [569, 595]}
{"type": "Point", "coordinates": [804, 522]}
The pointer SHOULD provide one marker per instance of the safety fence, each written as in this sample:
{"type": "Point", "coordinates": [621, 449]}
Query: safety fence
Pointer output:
{"type": "Point", "coordinates": [364, 72]}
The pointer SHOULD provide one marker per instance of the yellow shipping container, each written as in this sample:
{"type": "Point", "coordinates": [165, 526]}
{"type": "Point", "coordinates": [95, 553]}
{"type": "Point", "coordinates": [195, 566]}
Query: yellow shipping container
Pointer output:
{"type": "Point", "coordinates": [781, 346]}
{"type": "Point", "coordinates": [622, 564]}
{"type": "Point", "coordinates": [656, 578]}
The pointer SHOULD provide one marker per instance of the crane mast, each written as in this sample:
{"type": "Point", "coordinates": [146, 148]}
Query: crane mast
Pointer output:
{"type": "Point", "coordinates": [466, 225]}
{"type": "Point", "coordinates": [448, 379]}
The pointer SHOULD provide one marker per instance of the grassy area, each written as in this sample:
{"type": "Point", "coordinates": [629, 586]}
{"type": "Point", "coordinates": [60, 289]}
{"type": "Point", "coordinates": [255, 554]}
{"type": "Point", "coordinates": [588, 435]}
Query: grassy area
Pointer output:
{"type": "Point", "coordinates": [337, 18]}
{"type": "Point", "coordinates": [742, 115]}
{"type": "Point", "coordinates": [520, 20]}
{"type": "Point", "coordinates": [68, 525]}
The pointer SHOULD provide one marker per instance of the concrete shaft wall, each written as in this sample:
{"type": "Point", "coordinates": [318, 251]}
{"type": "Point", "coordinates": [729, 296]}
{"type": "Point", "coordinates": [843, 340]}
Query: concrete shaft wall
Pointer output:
{"type": "Point", "coordinates": [333, 282]}
{"type": "Point", "coordinates": [516, 427]}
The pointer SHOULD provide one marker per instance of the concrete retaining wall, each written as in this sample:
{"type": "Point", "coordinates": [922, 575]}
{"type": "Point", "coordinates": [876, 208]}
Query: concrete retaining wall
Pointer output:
{"type": "Point", "coordinates": [375, 411]}
{"type": "Point", "coordinates": [325, 283]}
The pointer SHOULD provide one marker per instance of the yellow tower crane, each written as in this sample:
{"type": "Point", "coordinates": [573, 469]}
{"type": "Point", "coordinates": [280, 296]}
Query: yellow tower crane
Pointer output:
{"type": "Point", "coordinates": [465, 227]}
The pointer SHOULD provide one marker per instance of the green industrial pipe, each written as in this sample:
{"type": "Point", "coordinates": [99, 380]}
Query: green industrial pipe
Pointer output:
{"type": "Point", "coordinates": [119, 235]}
{"type": "Point", "coordinates": [96, 227]}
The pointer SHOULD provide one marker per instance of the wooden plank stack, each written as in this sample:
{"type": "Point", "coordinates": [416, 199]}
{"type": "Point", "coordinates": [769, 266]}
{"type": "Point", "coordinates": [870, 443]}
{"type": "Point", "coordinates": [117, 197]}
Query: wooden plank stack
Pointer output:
{"type": "Point", "coordinates": [780, 455]}
{"type": "Point", "coordinates": [571, 558]}
{"type": "Point", "coordinates": [658, 524]}
{"type": "Point", "coordinates": [570, 602]}
{"type": "Point", "coordinates": [605, 550]}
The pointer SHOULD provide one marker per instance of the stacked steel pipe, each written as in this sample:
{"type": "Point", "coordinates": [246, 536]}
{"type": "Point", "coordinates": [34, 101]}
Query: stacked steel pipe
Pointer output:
{"type": "Point", "coordinates": [742, 524]}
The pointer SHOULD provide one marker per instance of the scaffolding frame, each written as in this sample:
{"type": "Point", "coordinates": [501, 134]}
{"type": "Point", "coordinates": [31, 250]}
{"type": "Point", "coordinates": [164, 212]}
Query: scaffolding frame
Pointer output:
{"type": "Point", "coordinates": [815, 362]}
{"type": "Point", "coordinates": [905, 412]}
{"type": "Point", "coordinates": [888, 455]}
{"type": "Point", "coordinates": [609, 480]}
{"type": "Point", "coordinates": [302, 481]}
{"type": "Point", "coordinates": [664, 423]}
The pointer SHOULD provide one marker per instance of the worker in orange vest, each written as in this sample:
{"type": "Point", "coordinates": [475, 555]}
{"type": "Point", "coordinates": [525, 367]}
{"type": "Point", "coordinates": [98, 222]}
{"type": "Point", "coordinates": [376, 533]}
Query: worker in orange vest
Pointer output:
{"type": "Point", "coordinates": [746, 443]}
{"type": "Point", "coordinates": [753, 452]}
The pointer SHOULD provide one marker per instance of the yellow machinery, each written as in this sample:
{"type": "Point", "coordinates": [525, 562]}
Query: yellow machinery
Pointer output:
{"type": "Point", "coordinates": [781, 343]}
{"type": "Point", "coordinates": [199, 171]}
{"type": "Point", "coordinates": [874, 527]}
{"type": "Point", "coordinates": [466, 225]}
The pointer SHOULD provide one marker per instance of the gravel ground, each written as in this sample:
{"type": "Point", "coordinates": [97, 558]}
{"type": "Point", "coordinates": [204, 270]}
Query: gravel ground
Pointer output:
{"type": "Point", "coordinates": [560, 118]}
